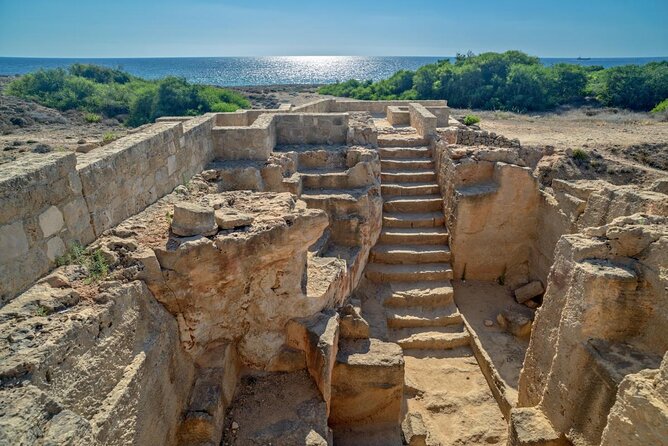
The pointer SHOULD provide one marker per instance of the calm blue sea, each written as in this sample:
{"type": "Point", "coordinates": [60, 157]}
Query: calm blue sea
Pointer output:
{"type": "Point", "coordinates": [243, 71]}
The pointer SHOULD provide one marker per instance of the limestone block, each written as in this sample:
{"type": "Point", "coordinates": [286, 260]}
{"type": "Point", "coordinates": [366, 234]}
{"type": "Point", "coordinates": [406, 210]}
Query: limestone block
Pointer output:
{"type": "Point", "coordinates": [529, 291]}
{"type": "Point", "coordinates": [516, 320]}
{"type": "Point", "coordinates": [193, 219]}
{"type": "Point", "coordinates": [288, 359]}
{"type": "Point", "coordinates": [639, 415]}
{"type": "Point", "coordinates": [13, 241]}
{"type": "Point", "coordinates": [367, 382]}
{"type": "Point", "coordinates": [51, 221]}
{"type": "Point", "coordinates": [55, 248]}
{"type": "Point", "coordinates": [318, 337]}
{"type": "Point", "coordinates": [227, 218]}
{"type": "Point", "coordinates": [414, 430]}
{"type": "Point", "coordinates": [529, 427]}
{"type": "Point", "coordinates": [211, 395]}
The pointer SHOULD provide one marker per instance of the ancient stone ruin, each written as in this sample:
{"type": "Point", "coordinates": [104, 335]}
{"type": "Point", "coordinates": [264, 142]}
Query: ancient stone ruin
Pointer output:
{"type": "Point", "coordinates": [339, 273]}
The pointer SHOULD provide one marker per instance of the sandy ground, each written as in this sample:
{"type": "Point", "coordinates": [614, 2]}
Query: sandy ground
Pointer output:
{"type": "Point", "coordinates": [483, 301]}
{"type": "Point", "coordinates": [448, 389]}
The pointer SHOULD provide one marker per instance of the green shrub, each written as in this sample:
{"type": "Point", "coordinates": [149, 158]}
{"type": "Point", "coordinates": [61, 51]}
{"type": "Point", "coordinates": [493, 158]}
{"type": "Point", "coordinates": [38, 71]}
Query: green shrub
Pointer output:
{"type": "Point", "coordinates": [94, 261]}
{"type": "Point", "coordinates": [515, 81]}
{"type": "Point", "coordinates": [92, 117]}
{"type": "Point", "coordinates": [661, 107]}
{"type": "Point", "coordinates": [580, 155]}
{"type": "Point", "coordinates": [109, 137]}
{"type": "Point", "coordinates": [114, 93]}
{"type": "Point", "coordinates": [471, 119]}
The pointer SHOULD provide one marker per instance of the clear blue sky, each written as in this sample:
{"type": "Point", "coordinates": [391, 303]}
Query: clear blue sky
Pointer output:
{"type": "Point", "coordinates": [145, 28]}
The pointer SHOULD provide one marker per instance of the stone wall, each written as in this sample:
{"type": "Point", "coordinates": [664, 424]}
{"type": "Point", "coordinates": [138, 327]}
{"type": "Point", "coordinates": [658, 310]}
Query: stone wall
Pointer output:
{"type": "Point", "coordinates": [490, 205]}
{"type": "Point", "coordinates": [466, 136]}
{"type": "Point", "coordinates": [377, 107]}
{"type": "Point", "coordinates": [43, 210]}
{"type": "Point", "coordinates": [422, 120]}
{"type": "Point", "coordinates": [317, 106]}
{"type": "Point", "coordinates": [53, 200]}
{"type": "Point", "coordinates": [571, 206]}
{"type": "Point", "coordinates": [127, 175]}
{"type": "Point", "coordinates": [311, 128]}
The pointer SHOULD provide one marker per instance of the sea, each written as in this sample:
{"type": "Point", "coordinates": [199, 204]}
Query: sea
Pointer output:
{"type": "Point", "coordinates": [256, 71]}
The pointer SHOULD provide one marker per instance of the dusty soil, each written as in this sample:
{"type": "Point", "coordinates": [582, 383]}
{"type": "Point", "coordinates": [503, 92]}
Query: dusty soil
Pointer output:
{"type": "Point", "coordinates": [620, 146]}
{"type": "Point", "coordinates": [27, 127]}
{"type": "Point", "coordinates": [483, 301]}
{"type": "Point", "coordinates": [447, 388]}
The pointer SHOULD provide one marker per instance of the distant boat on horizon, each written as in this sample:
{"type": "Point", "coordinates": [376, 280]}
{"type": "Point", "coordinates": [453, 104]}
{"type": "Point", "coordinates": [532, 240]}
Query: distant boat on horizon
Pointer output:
{"type": "Point", "coordinates": [584, 58]}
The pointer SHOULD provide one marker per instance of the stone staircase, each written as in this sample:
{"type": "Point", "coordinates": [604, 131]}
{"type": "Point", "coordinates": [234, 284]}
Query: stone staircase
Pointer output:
{"type": "Point", "coordinates": [412, 254]}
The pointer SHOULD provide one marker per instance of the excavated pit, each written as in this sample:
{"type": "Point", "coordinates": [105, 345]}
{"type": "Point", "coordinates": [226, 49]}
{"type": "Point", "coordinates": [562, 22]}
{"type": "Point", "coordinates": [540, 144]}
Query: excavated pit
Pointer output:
{"type": "Point", "coordinates": [340, 273]}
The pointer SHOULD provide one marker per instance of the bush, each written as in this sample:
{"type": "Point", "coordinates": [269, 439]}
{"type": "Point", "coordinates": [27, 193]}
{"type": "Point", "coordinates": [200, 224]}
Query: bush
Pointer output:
{"type": "Point", "coordinates": [517, 82]}
{"type": "Point", "coordinates": [471, 119]}
{"type": "Point", "coordinates": [109, 137]}
{"type": "Point", "coordinates": [580, 155]}
{"type": "Point", "coordinates": [661, 107]}
{"type": "Point", "coordinates": [113, 93]}
{"type": "Point", "coordinates": [92, 117]}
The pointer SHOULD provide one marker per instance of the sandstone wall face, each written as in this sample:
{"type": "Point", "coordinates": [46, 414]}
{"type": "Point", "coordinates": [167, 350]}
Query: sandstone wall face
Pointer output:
{"type": "Point", "coordinates": [241, 286]}
{"type": "Point", "coordinates": [422, 119]}
{"type": "Point", "coordinates": [603, 317]}
{"type": "Point", "coordinates": [491, 210]}
{"type": "Point", "coordinates": [639, 415]}
{"type": "Point", "coordinates": [571, 206]}
{"type": "Point", "coordinates": [377, 107]}
{"type": "Point", "coordinates": [43, 210]}
{"type": "Point", "coordinates": [83, 373]}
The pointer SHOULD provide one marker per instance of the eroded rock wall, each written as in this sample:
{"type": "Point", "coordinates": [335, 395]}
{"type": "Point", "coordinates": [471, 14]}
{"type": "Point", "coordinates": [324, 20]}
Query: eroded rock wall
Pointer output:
{"type": "Point", "coordinates": [490, 204]}
{"type": "Point", "coordinates": [603, 317]}
{"type": "Point", "coordinates": [108, 371]}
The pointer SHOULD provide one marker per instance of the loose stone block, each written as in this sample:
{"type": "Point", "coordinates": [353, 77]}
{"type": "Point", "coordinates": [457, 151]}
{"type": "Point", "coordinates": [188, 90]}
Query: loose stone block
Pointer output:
{"type": "Point", "coordinates": [51, 221]}
{"type": "Point", "coordinates": [529, 291]}
{"type": "Point", "coordinates": [516, 320]}
{"type": "Point", "coordinates": [230, 219]}
{"type": "Point", "coordinates": [193, 219]}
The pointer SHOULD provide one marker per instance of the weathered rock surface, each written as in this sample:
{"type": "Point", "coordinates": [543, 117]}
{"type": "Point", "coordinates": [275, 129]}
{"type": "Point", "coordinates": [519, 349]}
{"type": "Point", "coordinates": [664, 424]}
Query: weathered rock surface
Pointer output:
{"type": "Point", "coordinates": [603, 317]}
{"type": "Point", "coordinates": [85, 373]}
{"type": "Point", "coordinates": [367, 383]}
{"type": "Point", "coordinates": [233, 288]}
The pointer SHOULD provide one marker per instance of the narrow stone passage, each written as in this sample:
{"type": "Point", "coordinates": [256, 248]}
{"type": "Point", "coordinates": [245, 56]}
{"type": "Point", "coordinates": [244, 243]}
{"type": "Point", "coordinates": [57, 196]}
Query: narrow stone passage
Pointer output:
{"type": "Point", "coordinates": [446, 398]}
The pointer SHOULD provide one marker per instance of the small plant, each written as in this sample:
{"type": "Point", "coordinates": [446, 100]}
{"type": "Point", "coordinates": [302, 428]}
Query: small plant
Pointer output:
{"type": "Point", "coordinates": [41, 310]}
{"type": "Point", "coordinates": [94, 261]}
{"type": "Point", "coordinates": [92, 117]}
{"type": "Point", "coordinates": [97, 266]}
{"type": "Point", "coordinates": [471, 119]}
{"type": "Point", "coordinates": [170, 217]}
{"type": "Point", "coordinates": [109, 137]}
{"type": "Point", "coordinates": [580, 155]}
